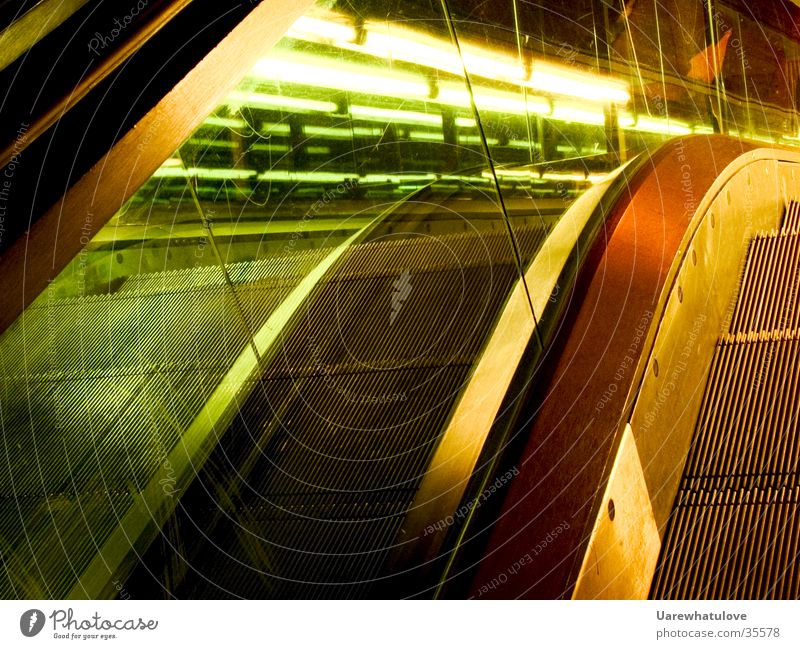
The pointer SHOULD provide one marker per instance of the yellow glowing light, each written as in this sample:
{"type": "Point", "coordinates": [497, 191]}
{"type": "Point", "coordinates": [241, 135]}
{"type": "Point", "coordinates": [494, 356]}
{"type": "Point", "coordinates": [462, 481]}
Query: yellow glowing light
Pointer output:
{"type": "Point", "coordinates": [559, 80]}
{"type": "Point", "coordinates": [341, 133]}
{"type": "Point", "coordinates": [564, 177]}
{"type": "Point", "coordinates": [625, 120]}
{"type": "Point", "coordinates": [225, 122]}
{"type": "Point", "coordinates": [465, 122]}
{"type": "Point", "coordinates": [516, 174]}
{"type": "Point", "coordinates": [272, 148]}
{"type": "Point", "coordinates": [570, 113]}
{"type": "Point", "coordinates": [400, 44]}
{"type": "Point", "coordinates": [388, 115]}
{"type": "Point", "coordinates": [327, 73]}
{"type": "Point", "coordinates": [426, 136]}
{"type": "Point", "coordinates": [303, 176]}
{"type": "Point", "coordinates": [475, 139]}
{"type": "Point", "coordinates": [396, 43]}
{"type": "Point", "coordinates": [661, 126]}
{"type": "Point", "coordinates": [411, 47]}
{"type": "Point", "coordinates": [490, 65]}
{"type": "Point", "coordinates": [499, 102]}
{"type": "Point", "coordinates": [309, 28]}
{"type": "Point", "coordinates": [269, 128]}
{"type": "Point", "coordinates": [259, 100]}
{"type": "Point", "coordinates": [522, 144]}
{"type": "Point", "coordinates": [205, 173]}
{"type": "Point", "coordinates": [395, 178]}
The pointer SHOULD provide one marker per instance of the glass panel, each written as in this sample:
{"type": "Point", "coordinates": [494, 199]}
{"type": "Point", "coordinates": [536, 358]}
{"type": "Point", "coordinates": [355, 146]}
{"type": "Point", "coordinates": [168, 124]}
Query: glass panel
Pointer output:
{"type": "Point", "coordinates": [264, 346]}
{"type": "Point", "coordinates": [353, 150]}
{"type": "Point", "coordinates": [101, 374]}
{"type": "Point", "coordinates": [267, 341]}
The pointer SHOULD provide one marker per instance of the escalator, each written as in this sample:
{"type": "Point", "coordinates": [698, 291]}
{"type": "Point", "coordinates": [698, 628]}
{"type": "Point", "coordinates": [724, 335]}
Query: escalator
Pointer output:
{"type": "Point", "coordinates": [305, 492]}
{"type": "Point", "coordinates": [306, 484]}
{"type": "Point", "coordinates": [734, 532]}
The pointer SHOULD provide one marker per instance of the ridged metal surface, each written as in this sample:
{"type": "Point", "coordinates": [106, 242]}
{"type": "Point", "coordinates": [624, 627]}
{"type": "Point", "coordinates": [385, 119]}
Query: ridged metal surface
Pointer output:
{"type": "Point", "coordinates": [734, 531]}
{"type": "Point", "coordinates": [304, 495]}
{"type": "Point", "coordinates": [95, 393]}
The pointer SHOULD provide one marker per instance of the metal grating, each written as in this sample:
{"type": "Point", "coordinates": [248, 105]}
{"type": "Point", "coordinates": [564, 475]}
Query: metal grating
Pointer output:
{"type": "Point", "coordinates": [96, 391]}
{"type": "Point", "coordinates": [734, 531]}
{"type": "Point", "coordinates": [305, 493]}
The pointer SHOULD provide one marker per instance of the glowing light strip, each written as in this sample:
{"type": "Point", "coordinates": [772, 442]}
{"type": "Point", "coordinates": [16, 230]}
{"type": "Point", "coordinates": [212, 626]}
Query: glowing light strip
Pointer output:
{"type": "Point", "coordinates": [396, 43]}
{"type": "Point", "coordinates": [240, 98]}
{"type": "Point", "coordinates": [354, 79]}
{"type": "Point", "coordinates": [275, 129]}
{"type": "Point", "coordinates": [203, 172]}
{"type": "Point", "coordinates": [558, 81]}
{"type": "Point", "coordinates": [507, 102]}
{"type": "Point", "coordinates": [338, 132]}
{"type": "Point", "coordinates": [304, 176]}
{"type": "Point", "coordinates": [388, 115]}
{"type": "Point", "coordinates": [272, 148]}
{"type": "Point", "coordinates": [225, 122]}
{"type": "Point", "coordinates": [661, 126]}
{"type": "Point", "coordinates": [568, 113]}
{"type": "Point", "coordinates": [426, 136]}
{"type": "Point", "coordinates": [475, 139]}
{"type": "Point", "coordinates": [307, 26]}
{"type": "Point", "coordinates": [396, 178]}
{"type": "Point", "coordinates": [565, 177]}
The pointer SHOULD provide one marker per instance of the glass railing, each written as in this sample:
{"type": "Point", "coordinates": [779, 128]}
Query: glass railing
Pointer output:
{"type": "Point", "coordinates": [313, 275]}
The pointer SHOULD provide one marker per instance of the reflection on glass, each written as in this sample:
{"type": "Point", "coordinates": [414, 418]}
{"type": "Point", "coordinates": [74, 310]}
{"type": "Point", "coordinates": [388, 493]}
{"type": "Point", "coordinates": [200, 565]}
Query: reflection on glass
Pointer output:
{"type": "Point", "coordinates": [243, 377]}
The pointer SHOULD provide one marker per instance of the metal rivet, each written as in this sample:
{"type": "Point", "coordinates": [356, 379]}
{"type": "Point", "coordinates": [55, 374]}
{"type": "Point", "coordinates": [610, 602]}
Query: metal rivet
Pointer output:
{"type": "Point", "coordinates": [713, 220]}
{"type": "Point", "coordinates": [694, 257]}
{"type": "Point", "coordinates": [611, 509]}
{"type": "Point", "coordinates": [680, 294]}
{"type": "Point", "coordinates": [655, 366]}
{"type": "Point", "coordinates": [119, 257]}
{"type": "Point", "coordinates": [728, 196]}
